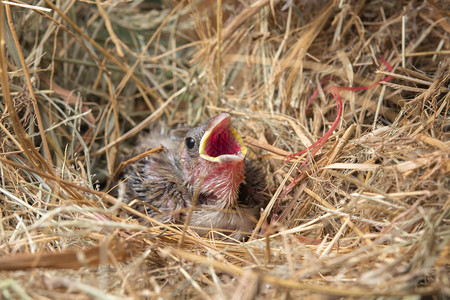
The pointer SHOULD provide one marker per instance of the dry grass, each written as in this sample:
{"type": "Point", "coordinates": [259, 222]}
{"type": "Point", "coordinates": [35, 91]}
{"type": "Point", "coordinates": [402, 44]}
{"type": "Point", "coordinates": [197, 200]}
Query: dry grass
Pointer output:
{"type": "Point", "coordinates": [367, 215]}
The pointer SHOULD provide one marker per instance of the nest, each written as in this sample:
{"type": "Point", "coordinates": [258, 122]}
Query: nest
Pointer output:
{"type": "Point", "coordinates": [357, 90]}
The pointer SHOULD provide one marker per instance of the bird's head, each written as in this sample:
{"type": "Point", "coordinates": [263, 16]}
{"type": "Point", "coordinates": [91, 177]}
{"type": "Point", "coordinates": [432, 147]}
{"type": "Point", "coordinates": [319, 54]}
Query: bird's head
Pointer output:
{"type": "Point", "coordinates": [212, 156]}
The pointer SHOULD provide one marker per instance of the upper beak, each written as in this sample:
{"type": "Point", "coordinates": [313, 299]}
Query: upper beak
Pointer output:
{"type": "Point", "coordinates": [221, 142]}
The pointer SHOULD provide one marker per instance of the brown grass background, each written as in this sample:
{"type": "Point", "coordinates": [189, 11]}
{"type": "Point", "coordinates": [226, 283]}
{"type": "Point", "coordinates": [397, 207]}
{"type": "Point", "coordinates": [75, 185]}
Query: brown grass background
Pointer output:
{"type": "Point", "coordinates": [368, 215]}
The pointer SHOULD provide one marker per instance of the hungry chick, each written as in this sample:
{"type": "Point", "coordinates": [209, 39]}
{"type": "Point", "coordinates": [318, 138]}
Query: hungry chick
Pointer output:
{"type": "Point", "coordinates": [208, 165]}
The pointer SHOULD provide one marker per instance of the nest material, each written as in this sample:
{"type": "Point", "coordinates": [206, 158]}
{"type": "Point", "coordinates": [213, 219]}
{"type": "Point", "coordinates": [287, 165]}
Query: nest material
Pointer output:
{"type": "Point", "coordinates": [366, 215]}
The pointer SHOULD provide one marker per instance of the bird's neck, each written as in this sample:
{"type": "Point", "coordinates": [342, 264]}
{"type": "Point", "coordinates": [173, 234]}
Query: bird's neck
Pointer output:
{"type": "Point", "coordinates": [219, 183]}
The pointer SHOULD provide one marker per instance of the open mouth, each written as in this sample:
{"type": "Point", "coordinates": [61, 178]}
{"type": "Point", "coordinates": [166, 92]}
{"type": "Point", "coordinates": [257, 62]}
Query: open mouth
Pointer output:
{"type": "Point", "coordinates": [221, 142]}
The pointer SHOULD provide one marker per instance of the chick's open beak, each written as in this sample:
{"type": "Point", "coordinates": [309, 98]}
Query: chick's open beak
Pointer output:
{"type": "Point", "coordinates": [221, 142]}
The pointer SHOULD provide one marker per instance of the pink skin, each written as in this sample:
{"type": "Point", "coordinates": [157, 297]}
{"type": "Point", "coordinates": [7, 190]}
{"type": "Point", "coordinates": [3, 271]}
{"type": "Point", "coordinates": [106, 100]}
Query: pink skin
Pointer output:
{"type": "Point", "coordinates": [220, 181]}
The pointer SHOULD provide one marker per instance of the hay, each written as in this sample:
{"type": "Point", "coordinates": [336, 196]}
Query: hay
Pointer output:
{"type": "Point", "coordinates": [364, 212]}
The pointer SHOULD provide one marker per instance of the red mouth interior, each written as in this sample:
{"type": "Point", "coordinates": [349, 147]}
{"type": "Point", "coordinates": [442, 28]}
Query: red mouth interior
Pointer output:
{"type": "Point", "coordinates": [221, 142]}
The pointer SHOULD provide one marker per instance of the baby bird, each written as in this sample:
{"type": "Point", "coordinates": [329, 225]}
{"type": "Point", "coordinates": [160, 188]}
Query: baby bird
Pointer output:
{"type": "Point", "coordinates": [206, 169]}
